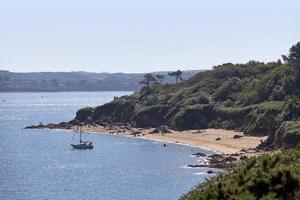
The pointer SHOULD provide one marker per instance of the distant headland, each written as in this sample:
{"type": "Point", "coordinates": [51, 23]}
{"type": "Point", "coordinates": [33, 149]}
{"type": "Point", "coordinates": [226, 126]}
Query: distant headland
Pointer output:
{"type": "Point", "coordinates": [77, 81]}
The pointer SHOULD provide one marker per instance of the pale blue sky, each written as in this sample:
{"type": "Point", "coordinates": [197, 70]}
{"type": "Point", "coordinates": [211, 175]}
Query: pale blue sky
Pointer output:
{"type": "Point", "coordinates": [143, 36]}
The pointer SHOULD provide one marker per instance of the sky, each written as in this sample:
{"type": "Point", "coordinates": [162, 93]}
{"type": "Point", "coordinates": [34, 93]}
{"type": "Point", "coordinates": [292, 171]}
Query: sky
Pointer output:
{"type": "Point", "coordinates": [143, 35]}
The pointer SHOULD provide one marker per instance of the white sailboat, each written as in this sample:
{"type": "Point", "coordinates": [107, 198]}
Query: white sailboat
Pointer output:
{"type": "Point", "coordinates": [82, 144]}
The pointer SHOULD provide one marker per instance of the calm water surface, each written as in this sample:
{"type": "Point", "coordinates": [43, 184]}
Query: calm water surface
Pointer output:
{"type": "Point", "coordinates": [40, 164]}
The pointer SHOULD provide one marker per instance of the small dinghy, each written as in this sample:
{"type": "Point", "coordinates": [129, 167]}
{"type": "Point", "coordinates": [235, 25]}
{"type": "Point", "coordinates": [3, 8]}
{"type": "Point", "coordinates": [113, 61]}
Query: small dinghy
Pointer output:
{"type": "Point", "coordinates": [82, 144]}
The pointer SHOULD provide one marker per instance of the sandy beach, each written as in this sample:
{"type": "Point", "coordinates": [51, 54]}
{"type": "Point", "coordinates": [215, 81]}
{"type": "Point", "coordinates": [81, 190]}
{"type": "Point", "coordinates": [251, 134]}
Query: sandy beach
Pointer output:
{"type": "Point", "coordinates": [218, 140]}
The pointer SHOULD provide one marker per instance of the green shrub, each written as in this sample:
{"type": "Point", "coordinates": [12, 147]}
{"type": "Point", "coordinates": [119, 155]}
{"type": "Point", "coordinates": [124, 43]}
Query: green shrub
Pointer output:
{"type": "Point", "coordinates": [267, 177]}
{"type": "Point", "coordinates": [288, 134]}
{"type": "Point", "coordinates": [199, 99]}
{"type": "Point", "coordinates": [264, 119]}
{"type": "Point", "coordinates": [151, 116]}
{"type": "Point", "coordinates": [84, 114]}
{"type": "Point", "coordinates": [193, 117]}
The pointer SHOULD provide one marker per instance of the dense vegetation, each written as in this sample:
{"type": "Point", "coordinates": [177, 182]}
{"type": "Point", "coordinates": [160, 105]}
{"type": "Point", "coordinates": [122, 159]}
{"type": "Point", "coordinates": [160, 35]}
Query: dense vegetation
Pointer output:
{"type": "Point", "coordinates": [257, 98]}
{"type": "Point", "coordinates": [76, 81]}
{"type": "Point", "coordinates": [267, 177]}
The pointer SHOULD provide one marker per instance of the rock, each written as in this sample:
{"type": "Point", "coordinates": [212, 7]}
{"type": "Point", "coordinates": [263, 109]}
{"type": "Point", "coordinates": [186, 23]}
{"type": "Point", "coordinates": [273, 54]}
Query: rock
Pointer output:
{"type": "Point", "coordinates": [237, 136]}
{"type": "Point", "coordinates": [216, 156]}
{"type": "Point", "coordinates": [198, 131]}
{"type": "Point", "coordinates": [35, 127]}
{"type": "Point", "coordinates": [161, 129]}
{"type": "Point", "coordinates": [210, 171]}
{"type": "Point", "coordinates": [243, 157]}
{"type": "Point", "coordinates": [135, 133]}
{"type": "Point", "coordinates": [156, 130]}
{"type": "Point", "coordinates": [199, 154]}
{"type": "Point", "coordinates": [197, 165]}
{"type": "Point", "coordinates": [230, 159]}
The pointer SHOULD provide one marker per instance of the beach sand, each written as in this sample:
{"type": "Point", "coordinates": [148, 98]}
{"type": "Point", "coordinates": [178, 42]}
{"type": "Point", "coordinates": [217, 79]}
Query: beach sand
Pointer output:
{"type": "Point", "coordinates": [218, 140]}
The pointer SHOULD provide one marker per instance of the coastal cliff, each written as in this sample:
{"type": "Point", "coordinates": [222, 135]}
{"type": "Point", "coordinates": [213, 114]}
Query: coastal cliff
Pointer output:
{"type": "Point", "coordinates": [260, 99]}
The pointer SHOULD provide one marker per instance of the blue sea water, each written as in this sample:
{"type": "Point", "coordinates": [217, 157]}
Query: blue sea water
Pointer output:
{"type": "Point", "coordinates": [40, 164]}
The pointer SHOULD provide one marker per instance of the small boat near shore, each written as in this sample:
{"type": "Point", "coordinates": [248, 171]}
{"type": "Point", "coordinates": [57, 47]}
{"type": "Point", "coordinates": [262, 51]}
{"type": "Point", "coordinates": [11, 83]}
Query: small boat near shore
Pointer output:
{"type": "Point", "coordinates": [82, 144]}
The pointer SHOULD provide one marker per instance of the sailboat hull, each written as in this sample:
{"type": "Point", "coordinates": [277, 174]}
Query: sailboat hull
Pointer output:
{"type": "Point", "coordinates": [82, 146]}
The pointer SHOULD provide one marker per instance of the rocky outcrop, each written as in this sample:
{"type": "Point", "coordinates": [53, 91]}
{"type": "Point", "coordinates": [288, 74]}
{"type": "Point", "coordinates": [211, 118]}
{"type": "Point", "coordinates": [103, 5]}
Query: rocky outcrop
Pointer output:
{"type": "Point", "coordinates": [62, 125]}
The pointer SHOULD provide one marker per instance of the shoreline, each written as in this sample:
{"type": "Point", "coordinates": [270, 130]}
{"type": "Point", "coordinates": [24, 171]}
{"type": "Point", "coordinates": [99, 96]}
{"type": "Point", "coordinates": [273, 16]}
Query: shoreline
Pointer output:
{"type": "Point", "coordinates": [217, 140]}
{"type": "Point", "coordinates": [220, 141]}
{"type": "Point", "coordinates": [154, 140]}
{"type": "Point", "coordinates": [229, 147]}
{"type": "Point", "coordinates": [142, 138]}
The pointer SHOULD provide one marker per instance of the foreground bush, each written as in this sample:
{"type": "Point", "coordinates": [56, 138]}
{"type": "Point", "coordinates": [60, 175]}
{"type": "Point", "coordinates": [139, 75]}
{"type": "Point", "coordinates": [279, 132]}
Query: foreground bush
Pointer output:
{"type": "Point", "coordinates": [265, 178]}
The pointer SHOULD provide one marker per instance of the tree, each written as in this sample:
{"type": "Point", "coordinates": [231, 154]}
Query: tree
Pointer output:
{"type": "Point", "coordinates": [293, 58]}
{"type": "Point", "coordinates": [160, 77]}
{"type": "Point", "coordinates": [177, 75]}
{"type": "Point", "coordinates": [147, 81]}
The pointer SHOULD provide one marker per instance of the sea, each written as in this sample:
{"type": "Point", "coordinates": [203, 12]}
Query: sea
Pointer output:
{"type": "Point", "coordinates": [40, 164]}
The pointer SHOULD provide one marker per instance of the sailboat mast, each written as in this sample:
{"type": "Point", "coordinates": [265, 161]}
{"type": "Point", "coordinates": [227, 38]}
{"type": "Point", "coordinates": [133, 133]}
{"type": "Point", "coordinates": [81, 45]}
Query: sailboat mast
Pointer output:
{"type": "Point", "coordinates": [80, 134]}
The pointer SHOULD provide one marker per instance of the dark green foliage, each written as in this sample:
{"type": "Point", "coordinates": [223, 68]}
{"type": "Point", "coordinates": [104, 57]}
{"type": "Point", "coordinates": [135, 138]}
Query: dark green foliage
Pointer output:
{"type": "Point", "coordinates": [147, 81]}
{"type": "Point", "coordinates": [193, 117]}
{"type": "Point", "coordinates": [265, 178]}
{"type": "Point", "coordinates": [264, 118]}
{"type": "Point", "coordinates": [288, 134]}
{"type": "Point", "coordinates": [177, 75]}
{"type": "Point", "coordinates": [291, 108]}
{"type": "Point", "coordinates": [228, 89]}
{"type": "Point", "coordinates": [197, 99]}
{"type": "Point", "coordinates": [160, 77]}
{"type": "Point", "coordinates": [151, 116]}
{"type": "Point", "coordinates": [277, 84]}
{"type": "Point", "coordinates": [85, 114]}
{"type": "Point", "coordinates": [115, 111]}
{"type": "Point", "coordinates": [293, 58]}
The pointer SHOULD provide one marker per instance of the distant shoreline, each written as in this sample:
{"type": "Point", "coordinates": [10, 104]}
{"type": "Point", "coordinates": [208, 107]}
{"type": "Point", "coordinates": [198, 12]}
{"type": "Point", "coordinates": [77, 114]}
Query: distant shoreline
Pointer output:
{"type": "Point", "coordinates": [77, 81]}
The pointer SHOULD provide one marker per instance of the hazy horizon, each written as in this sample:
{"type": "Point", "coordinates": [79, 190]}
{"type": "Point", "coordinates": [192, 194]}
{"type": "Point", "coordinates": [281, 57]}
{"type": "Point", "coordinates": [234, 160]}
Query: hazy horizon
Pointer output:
{"type": "Point", "coordinates": [72, 71]}
{"type": "Point", "coordinates": [143, 36]}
